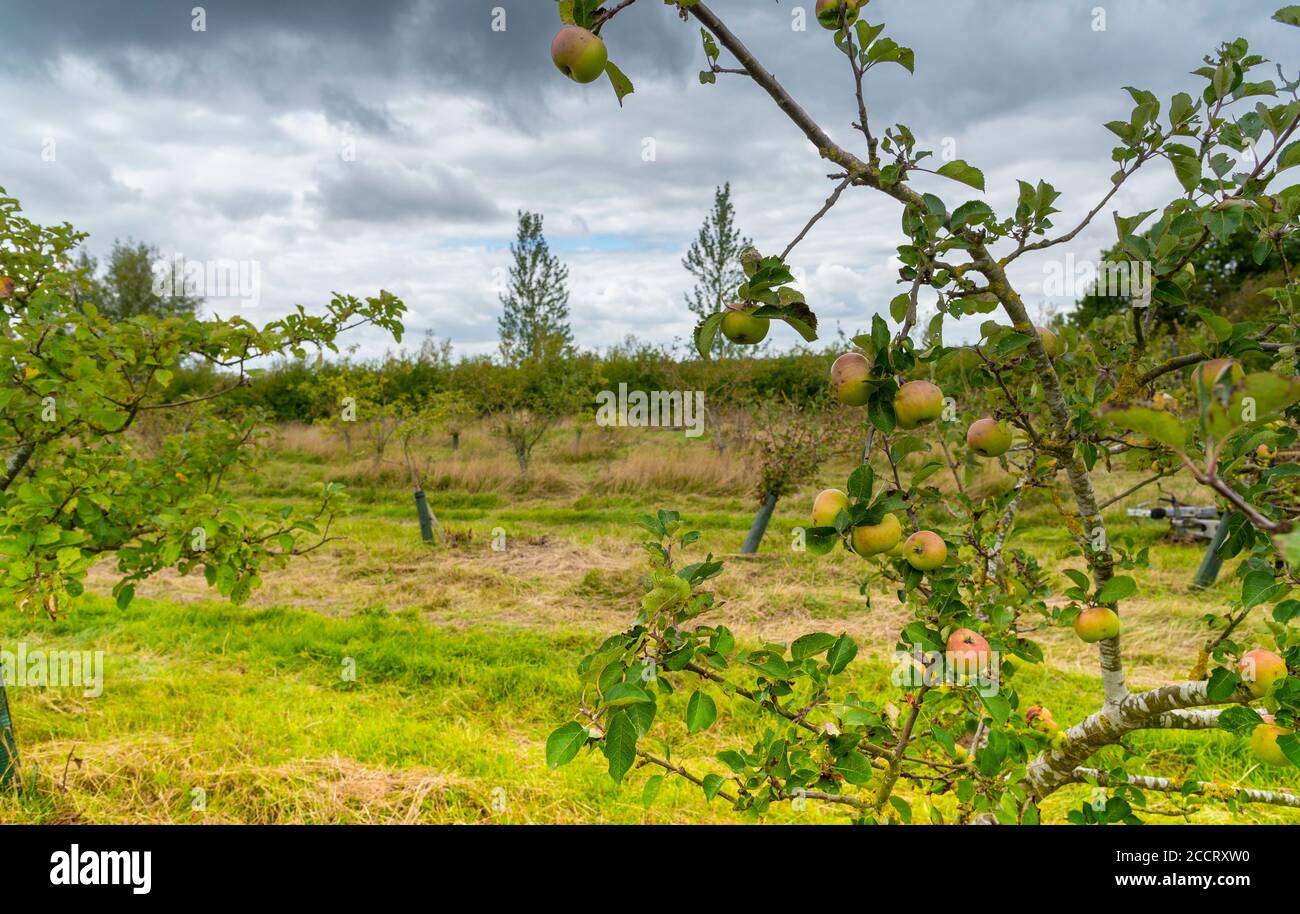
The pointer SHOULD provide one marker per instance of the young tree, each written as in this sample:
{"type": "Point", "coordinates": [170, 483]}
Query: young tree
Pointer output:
{"type": "Point", "coordinates": [129, 285]}
{"type": "Point", "coordinates": [535, 319]}
{"type": "Point", "coordinates": [961, 734]}
{"type": "Point", "coordinates": [77, 484]}
{"type": "Point", "coordinates": [714, 260]}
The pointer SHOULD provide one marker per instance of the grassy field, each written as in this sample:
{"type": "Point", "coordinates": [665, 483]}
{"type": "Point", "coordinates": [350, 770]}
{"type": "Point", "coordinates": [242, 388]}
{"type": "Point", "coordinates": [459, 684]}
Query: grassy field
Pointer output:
{"type": "Point", "coordinates": [464, 655]}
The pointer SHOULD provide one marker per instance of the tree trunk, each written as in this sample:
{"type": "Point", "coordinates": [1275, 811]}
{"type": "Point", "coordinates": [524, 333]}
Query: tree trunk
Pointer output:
{"type": "Point", "coordinates": [577, 438]}
{"type": "Point", "coordinates": [521, 455]}
{"type": "Point", "coordinates": [759, 527]}
{"type": "Point", "coordinates": [455, 441]}
{"type": "Point", "coordinates": [8, 745]}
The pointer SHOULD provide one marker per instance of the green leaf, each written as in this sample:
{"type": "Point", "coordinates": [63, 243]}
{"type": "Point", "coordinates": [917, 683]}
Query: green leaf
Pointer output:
{"type": "Point", "coordinates": [1288, 15]}
{"type": "Point", "coordinates": [1290, 156]}
{"type": "Point", "coordinates": [841, 653]}
{"type": "Point", "coordinates": [1289, 743]}
{"type": "Point", "coordinates": [619, 745]}
{"type": "Point", "coordinates": [1155, 424]}
{"type": "Point", "coordinates": [651, 790]}
{"type": "Point", "coordinates": [1187, 165]}
{"type": "Point", "coordinates": [622, 85]}
{"type": "Point", "coordinates": [1223, 684]}
{"type": "Point", "coordinates": [1239, 719]}
{"type": "Point", "coordinates": [701, 712]}
{"type": "Point", "coordinates": [811, 645]}
{"type": "Point", "coordinates": [1117, 588]}
{"type": "Point", "coordinates": [563, 744]}
{"type": "Point", "coordinates": [1260, 587]}
{"type": "Point", "coordinates": [959, 170]}
{"type": "Point", "coordinates": [861, 481]}
{"type": "Point", "coordinates": [625, 693]}
{"type": "Point", "coordinates": [705, 333]}
{"type": "Point", "coordinates": [712, 784]}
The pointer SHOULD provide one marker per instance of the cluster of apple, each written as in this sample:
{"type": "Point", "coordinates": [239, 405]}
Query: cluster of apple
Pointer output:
{"type": "Point", "coordinates": [1260, 670]}
{"type": "Point", "coordinates": [924, 550]}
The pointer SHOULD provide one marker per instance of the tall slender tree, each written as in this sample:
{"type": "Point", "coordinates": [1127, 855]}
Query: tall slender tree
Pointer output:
{"type": "Point", "coordinates": [714, 261]}
{"type": "Point", "coordinates": [535, 319]}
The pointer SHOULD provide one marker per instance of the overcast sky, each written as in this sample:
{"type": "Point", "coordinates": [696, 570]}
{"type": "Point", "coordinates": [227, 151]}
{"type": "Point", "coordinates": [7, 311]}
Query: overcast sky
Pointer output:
{"type": "Point", "coordinates": [355, 146]}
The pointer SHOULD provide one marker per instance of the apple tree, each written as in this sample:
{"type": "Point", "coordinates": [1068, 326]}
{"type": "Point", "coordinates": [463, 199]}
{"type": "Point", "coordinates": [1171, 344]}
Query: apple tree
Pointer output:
{"type": "Point", "coordinates": [1056, 407]}
{"type": "Point", "coordinates": [80, 481]}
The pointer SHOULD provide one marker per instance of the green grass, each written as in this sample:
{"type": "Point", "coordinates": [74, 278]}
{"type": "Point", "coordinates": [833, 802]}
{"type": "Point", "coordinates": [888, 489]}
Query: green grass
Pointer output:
{"type": "Point", "coordinates": [464, 661]}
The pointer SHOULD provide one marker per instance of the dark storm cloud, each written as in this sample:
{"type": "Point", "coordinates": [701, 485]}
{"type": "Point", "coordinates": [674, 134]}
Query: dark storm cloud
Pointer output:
{"type": "Point", "coordinates": [392, 192]}
{"type": "Point", "coordinates": [343, 108]}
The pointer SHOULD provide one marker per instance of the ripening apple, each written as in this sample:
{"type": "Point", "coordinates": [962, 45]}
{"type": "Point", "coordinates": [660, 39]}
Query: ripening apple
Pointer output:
{"type": "Point", "coordinates": [827, 505]}
{"type": "Point", "coordinates": [828, 12]}
{"type": "Point", "coordinates": [873, 539]}
{"type": "Point", "coordinates": [1051, 342]}
{"type": "Point", "coordinates": [579, 54]}
{"type": "Point", "coordinates": [1263, 741]}
{"type": "Point", "coordinates": [739, 326]}
{"type": "Point", "coordinates": [850, 378]}
{"type": "Point", "coordinates": [968, 650]}
{"type": "Point", "coordinates": [925, 550]}
{"type": "Point", "coordinates": [1209, 375]}
{"type": "Point", "coordinates": [988, 437]}
{"type": "Point", "coordinates": [1259, 670]}
{"type": "Point", "coordinates": [1097, 623]}
{"type": "Point", "coordinates": [1040, 719]}
{"type": "Point", "coordinates": [7, 286]}
{"type": "Point", "coordinates": [917, 402]}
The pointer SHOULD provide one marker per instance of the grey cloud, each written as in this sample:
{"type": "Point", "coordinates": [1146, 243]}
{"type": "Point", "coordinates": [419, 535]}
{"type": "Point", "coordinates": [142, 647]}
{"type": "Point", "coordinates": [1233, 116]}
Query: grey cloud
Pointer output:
{"type": "Point", "coordinates": [343, 108]}
{"type": "Point", "coordinates": [392, 192]}
{"type": "Point", "coordinates": [243, 203]}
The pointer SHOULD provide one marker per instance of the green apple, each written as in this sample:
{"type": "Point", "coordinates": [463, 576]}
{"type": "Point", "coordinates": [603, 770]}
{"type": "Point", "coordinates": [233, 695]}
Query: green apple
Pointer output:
{"type": "Point", "coordinates": [873, 539]}
{"type": "Point", "coordinates": [988, 437]}
{"type": "Point", "coordinates": [739, 326]}
{"type": "Point", "coordinates": [1051, 342]}
{"type": "Point", "coordinates": [1259, 670]}
{"type": "Point", "coordinates": [1097, 623]}
{"type": "Point", "coordinates": [579, 54]}
{"type": "Point", "coordinates": [827, 506]}
{"type": "Point", "coordinates": [828, 12]}
{"type": "Point", "coordinates": [916, 403]}
{"type": "Point", "coordinates": [925, 550]}
{"type": "Point", "coordinates": [1263, 741]}
{"type": "Point", "coordinates": [850, 379]}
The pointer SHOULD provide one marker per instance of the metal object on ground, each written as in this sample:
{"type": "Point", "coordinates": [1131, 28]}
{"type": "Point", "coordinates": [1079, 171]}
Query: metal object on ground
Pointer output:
{"type": "Point", "coordinates": [1186, 521]}
{"type": "Point", "coordinates": [1208, 573]}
